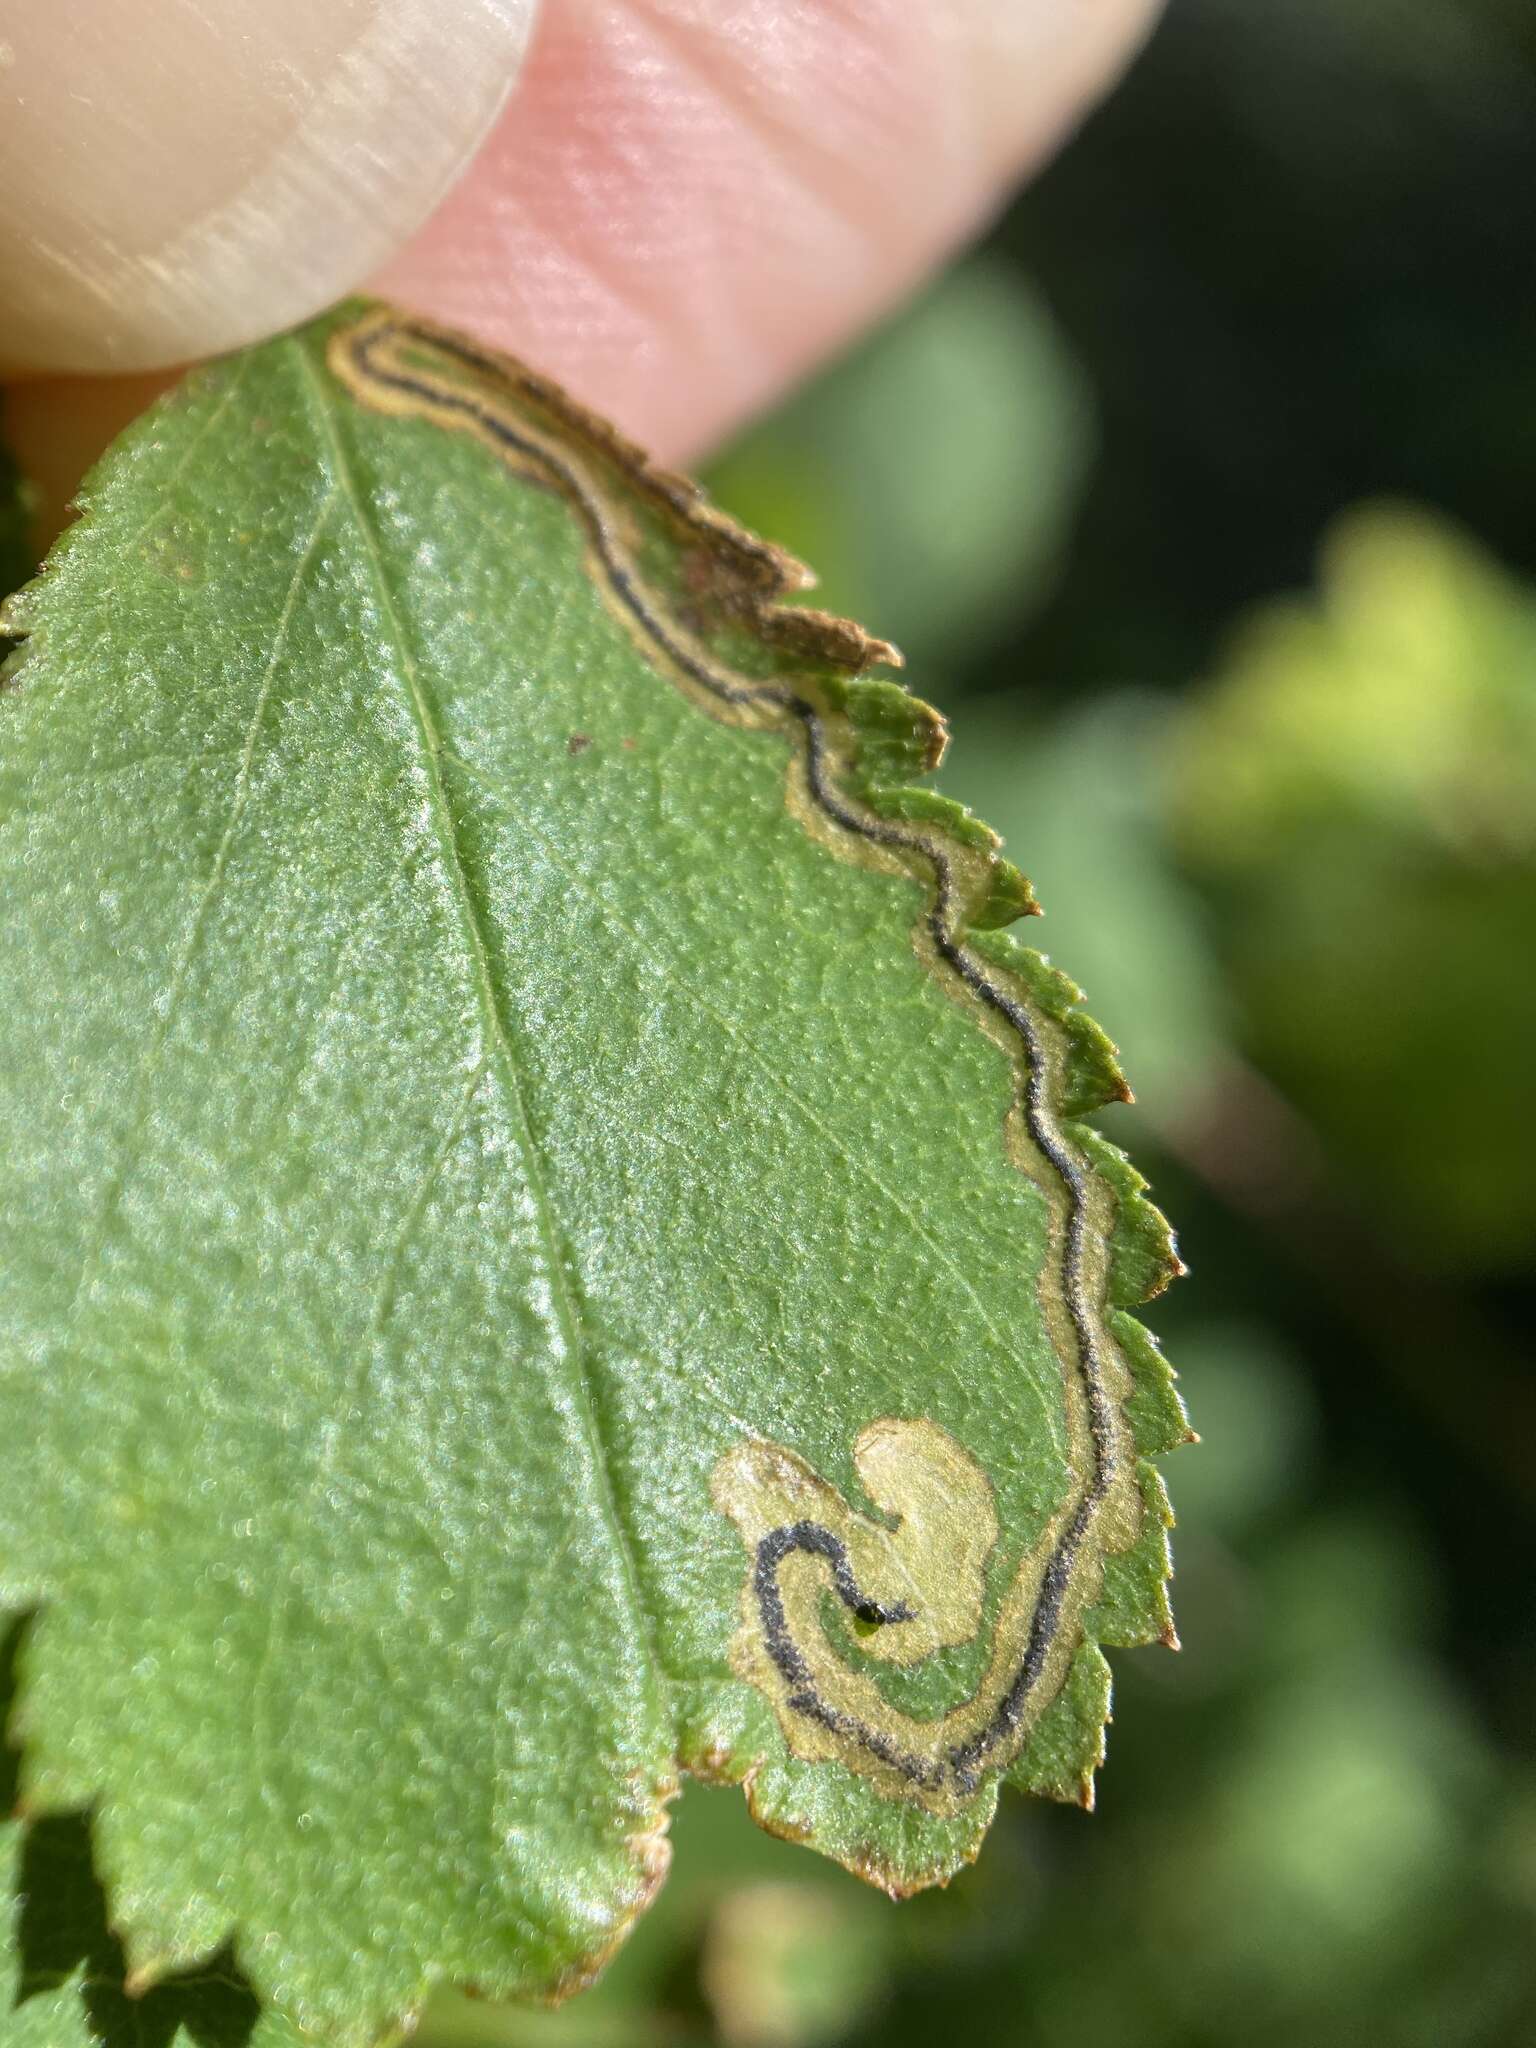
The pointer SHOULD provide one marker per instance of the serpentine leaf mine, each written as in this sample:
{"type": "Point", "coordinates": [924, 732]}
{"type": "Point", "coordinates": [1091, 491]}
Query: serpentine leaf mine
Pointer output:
{"type": "Point", "coordinates": [782, 1510]}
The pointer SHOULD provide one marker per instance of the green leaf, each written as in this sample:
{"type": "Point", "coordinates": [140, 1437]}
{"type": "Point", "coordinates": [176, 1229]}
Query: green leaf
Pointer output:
{"type": "Point", "coordinates": [522, 1186]}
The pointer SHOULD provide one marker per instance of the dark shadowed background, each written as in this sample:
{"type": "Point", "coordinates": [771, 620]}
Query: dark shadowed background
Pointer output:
{"type": "Point", "coordinates": [1202, 498]}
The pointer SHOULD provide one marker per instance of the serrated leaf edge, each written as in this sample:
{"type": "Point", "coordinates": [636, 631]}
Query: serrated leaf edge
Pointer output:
{"type": "Point", "coordinates": [848, 730]}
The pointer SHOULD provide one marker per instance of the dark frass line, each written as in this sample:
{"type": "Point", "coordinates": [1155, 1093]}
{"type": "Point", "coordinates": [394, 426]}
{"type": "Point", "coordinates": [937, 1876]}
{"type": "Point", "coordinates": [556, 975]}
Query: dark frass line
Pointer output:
{"type": "Point", "coordinates": [962, 1764]}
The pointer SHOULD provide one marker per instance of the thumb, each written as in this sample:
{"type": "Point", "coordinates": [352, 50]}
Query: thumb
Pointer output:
{"type": "Point", "coordinates": [180, 176]}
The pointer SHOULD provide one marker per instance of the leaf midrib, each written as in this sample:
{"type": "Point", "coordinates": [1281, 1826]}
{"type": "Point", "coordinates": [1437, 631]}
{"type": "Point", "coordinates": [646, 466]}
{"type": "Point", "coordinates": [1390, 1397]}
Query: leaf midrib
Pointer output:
{"type": "Point", "coordinates": [495, 1022]}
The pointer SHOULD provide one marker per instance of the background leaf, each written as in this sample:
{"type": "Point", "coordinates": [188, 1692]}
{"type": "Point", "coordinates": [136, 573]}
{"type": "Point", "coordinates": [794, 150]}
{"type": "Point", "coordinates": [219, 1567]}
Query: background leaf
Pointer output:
{"type": "Point", "coordinates": [1360, 777]}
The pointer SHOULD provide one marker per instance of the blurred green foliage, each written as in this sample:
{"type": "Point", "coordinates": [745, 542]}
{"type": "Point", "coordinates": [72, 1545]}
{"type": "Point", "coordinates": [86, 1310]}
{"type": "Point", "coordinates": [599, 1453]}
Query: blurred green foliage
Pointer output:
{"type": "Point", "coordinates": [1360, 789]}
{"type": "Point", "coordinates": [1202, 499]}
{"type": "Point", "coordinates": [888, 473]}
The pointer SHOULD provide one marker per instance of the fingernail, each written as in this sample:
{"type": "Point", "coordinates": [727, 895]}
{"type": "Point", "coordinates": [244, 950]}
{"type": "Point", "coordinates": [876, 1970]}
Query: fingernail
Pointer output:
{"type": "Point", "coordinates": [180, 176]}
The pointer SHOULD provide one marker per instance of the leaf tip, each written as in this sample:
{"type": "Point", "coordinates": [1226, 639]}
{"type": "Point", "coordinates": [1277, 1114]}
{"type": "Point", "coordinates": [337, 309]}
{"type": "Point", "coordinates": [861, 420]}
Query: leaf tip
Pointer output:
{"type": "Point", "coordinates": [650, 1851]}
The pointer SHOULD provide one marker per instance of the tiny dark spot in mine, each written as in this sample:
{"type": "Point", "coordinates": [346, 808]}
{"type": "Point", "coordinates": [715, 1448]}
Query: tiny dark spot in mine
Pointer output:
{"type": "Point", "coordinates": [578, 743]}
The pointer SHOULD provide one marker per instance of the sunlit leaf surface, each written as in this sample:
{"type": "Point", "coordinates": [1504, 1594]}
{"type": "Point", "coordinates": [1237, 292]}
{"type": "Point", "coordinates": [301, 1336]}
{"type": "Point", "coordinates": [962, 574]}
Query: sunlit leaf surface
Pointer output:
{"type": "Point", "coordinates": [549, 1242]}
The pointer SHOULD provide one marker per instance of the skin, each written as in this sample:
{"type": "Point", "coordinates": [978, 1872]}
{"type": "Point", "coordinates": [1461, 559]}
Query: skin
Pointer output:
{"type": "Point", "coordinates": [682, 207]}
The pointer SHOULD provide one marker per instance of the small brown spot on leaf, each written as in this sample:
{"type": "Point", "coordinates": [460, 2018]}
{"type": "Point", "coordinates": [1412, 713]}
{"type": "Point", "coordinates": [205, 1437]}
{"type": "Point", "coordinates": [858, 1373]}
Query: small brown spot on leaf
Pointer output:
{"type": "Point", "coordinates": [578, 743]}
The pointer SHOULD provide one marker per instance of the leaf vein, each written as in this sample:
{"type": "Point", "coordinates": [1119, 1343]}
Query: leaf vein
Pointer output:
{"type": "Point", "coordinates": [497, 1025]}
